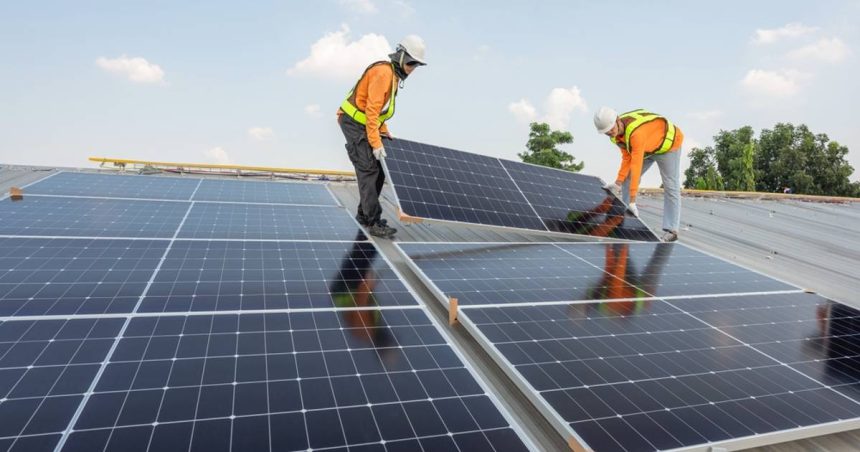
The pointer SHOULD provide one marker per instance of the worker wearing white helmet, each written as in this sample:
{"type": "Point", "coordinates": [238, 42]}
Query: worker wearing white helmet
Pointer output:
{"type": "Point", "coordinates": [646, 138]}
{"type": "Point", "coordinates": [362, 117]}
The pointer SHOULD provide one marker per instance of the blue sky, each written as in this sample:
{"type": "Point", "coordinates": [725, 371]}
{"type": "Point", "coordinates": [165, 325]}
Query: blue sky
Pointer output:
{"type": "Point", "coordinates": [259, 83]}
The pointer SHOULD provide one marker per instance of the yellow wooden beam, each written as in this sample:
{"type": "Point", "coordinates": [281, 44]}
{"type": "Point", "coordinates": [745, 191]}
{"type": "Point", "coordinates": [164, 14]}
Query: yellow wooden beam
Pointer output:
{"type": "Point", "coordinates": [211, 166]}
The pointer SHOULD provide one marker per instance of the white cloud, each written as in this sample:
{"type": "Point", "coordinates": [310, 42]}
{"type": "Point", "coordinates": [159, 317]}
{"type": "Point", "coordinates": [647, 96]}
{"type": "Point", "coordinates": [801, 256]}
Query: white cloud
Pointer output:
{"type": "Point", "coordinates": [313, 110]}
{"type": "Point", "coordinates": [336, 56]}
{"type": "Point", "coordinates": [361, 6]}
{"type": "Point", "coordinates": [831, 50]}
{"type": "Point", "coordinates": [706, 115]}
{"type": "Point", "coordinates": [219, 156]}
{"type": "Point", "coordinates": [136, 69]}
{"type": "Point", "coordinates": [560, 104]}
{"type": "Point", "coordinates": [558, 107]}
{"type": "Point", "coordinates": [776, 84]}
{"type": "Point", "coordinates": [792, 30]}
{"type": "Point", "coordinates": [523, 110]}
{"type": "Point", "coordinates": [260, 133]}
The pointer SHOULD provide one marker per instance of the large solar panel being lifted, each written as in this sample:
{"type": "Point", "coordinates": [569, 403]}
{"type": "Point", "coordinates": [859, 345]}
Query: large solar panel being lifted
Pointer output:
{"type": "Point", "coordinates": [231, 276]}
{"type": "Point", "coordinates": [370, 380]}
{"type": "Point", "coordinates": [490, 273]}
{"type": "Point", "coordinates": [264, 192]}
{"type": "Point", "coordinates": [648, 375]}
{"type": "Point", "coordinates": [116, 186]}
{"type": "Point", "coordinates": [444, 184]}
{"type": "Point", "coordinates": [88, 217]}
{"type": "Point", "coordinates": [269, 222]}
{"type": "Point", "coordinates": [43, 276]}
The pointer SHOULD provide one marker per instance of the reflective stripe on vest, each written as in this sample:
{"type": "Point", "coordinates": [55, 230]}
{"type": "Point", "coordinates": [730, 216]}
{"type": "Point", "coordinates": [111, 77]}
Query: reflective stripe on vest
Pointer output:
{"type": "Point", "coordinates": [640, 117]}
{"type": "Point", "coordinates": [358, 115]}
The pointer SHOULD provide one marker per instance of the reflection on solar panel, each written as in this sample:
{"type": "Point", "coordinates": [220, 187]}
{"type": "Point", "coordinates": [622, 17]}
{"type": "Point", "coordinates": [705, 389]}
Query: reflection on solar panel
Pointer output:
{"type": "Point", "coordinates": [645, 375]}
{"type": "Point", "coordinates": [360, 365]}
{"type": "Point", "coordinates": [264, 192]}
{"type": "Point", "coordinates": [115, 186]}
{"type": "Point", "coordinates": [74, 276]}
{"type": "Point", "coordinates": [45, 368]}
{"type": "Point", "coordinates": [269, 222]}
{"type": "Point", "coordinates": [444, 184]}
{"type": "Point", "coordinates": [87, 217]}
{"type": "Point", "coordinates": [543, 272]}
{"type": "Point", "coordinates": [381, 379]}
{"type": "Point", "coordinates": [227, 276]}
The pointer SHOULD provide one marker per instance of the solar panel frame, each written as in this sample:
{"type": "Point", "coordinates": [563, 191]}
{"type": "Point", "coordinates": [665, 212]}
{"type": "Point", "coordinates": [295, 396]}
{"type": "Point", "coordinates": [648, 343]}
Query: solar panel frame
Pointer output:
{"type": "Point", "coordinates": [390, 165]}
{"type": "Point", "coordinates": [576, 440]}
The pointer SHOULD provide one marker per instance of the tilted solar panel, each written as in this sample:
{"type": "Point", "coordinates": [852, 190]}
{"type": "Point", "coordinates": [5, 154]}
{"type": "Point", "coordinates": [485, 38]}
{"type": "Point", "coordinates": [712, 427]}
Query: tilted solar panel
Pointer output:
{"type": "Point", "coordinates": [444, 184]}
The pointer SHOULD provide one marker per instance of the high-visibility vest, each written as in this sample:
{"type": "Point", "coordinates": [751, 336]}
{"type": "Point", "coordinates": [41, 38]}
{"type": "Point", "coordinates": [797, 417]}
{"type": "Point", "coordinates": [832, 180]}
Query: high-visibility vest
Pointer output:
{"type": "Point", "coordinates": [352, 111]}
{"type": "Point", "coordinates": [634, 119]}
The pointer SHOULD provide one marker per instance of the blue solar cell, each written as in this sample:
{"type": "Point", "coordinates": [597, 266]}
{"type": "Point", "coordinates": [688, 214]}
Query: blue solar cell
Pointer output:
{"type": "Point", "coordinates": [45, 368]}
{"type": "Point", "coordinates": [288, 382]}
{"type": "Point", "coordinates": [264, 192]}
{"type": "Point", "coordinates": [74, 276]}
{"type": "Point", "coordinates": [219, 276]}
{"type": "Point", "coordinates": [702, 369]}
{"type": "Point", "coordinates": [52, 216]}
{"type": "Point", "coordinates": [265, 222]}
{"type": "Point", "coordinates": [115, 186]}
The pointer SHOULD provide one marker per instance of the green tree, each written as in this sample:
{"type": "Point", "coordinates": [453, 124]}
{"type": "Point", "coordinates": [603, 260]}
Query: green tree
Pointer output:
{"type": "Point", "coordinates": [734, 152]}
{"type": "Point", "coordinates": [543, 150]}
{"type": "Point", "coordinates": [795, 157]}
{"type": "Point", "coordinates": [702, 173]}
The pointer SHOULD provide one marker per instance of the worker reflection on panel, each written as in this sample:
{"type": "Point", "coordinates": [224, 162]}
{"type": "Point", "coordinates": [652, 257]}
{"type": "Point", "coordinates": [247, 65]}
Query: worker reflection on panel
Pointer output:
{"type": "Point", "coordinates": [621, 281]}
{"type": "Point", "coordinates": [353, 288]}
{"type": "Point", "coordinates": [611, 210]}
{"type": "Point", "coordinates": [839, 329]}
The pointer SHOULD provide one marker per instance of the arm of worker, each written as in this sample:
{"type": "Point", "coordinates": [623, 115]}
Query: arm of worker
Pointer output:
{"type": "Point", "coordinates": [637, 156]}
{"type": "Point", "coordinates": [384, 132]}
{"type": "Point", "coordinates": [624, 171]}
{"type": "Point", "coordinates": [377, 88]}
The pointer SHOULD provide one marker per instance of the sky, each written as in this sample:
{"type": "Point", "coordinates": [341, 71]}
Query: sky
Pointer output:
{"type": "Point", "coordinates": [258, 83]}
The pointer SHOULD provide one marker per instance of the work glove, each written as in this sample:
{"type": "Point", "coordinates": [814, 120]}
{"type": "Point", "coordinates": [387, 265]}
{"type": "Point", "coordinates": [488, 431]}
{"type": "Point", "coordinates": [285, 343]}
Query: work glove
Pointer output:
{"type": "Point", "coordinates": [387, 135]}
{"type": "Point", "coordinates": [632, 209]}
{"type": "Point", "coordinates": [613, 188]}
{"type": "Point", "coordinates": [379, 153]}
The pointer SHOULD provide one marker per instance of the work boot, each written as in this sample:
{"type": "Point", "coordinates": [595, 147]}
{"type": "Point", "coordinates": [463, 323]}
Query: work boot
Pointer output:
{"type": "Point", "coordinates": [381, 229]}
{"type": "Point", "coordinates": [669, 236]}
{"type": "Point", "coordinates": [361, 219]}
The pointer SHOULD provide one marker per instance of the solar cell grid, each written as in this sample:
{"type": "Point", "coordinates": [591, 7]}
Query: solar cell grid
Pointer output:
{"type": "Point", "coordinates": [379, 379]}
{"type": "Point", "coordinates": [74, 276]}
{"type": "Point", "coordinates": [636, 375]}
{"type": "Point", "coordinates": [87, 217]}
{"type": "Point", "coordinates": [435, 182]}
{"type": "Point", "coordinates": [45, 368]}
{"type": "Point", "coordinates": [115, 186]}
{"type": "Point", "coordinates": [269, 222]}
{"type": "Point", "coordinates": [263, 192]}
{"type": "Point", "coordinates": [226, 276]}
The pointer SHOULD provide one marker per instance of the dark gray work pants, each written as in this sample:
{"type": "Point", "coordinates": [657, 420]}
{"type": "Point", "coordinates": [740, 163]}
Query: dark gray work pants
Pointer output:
{"type": "Point", "coordinates": [368, 170]}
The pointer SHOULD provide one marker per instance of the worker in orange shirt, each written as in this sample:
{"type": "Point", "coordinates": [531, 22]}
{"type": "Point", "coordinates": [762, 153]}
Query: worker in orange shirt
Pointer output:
{"type": "Point", "coordinates": [362, 117]}
{"type": "Point", "coordinates": [646, 138]}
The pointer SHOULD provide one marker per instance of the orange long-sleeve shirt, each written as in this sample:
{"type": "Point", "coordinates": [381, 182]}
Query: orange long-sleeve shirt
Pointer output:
{"type": "Point", "coordinates": [371, 95]}
{"type": "Point", "coordinates": [645, 139]}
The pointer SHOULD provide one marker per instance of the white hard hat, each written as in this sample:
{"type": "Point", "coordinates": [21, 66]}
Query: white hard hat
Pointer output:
{"type": "Point", "coordinates": [604, 119]}
{"type": "Point", "coordinates": [414, 46]}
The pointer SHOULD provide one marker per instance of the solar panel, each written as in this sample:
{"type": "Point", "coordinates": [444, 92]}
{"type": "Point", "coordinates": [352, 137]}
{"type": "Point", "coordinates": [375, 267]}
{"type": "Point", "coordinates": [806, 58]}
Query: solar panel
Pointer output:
{"type": "Point", "coordinates": [444, 184]}
{"type": "Point", "coordinates": [379, 380]}
{"type": "Point", "coordinates": [74, 276]}
{"type": "Point", "coordinates": [269, 222]}
{"type": "Point", "coordinates": [646, 375]}
{"type": "Point", "coordinates": [264, 192]}
{"type": "Point", "coordinates": [115, 186]}
{"type": "Point", "coordinates": [491, 273]}
{"type": "Point", "coordinates": [45, 368]}
{"type": "Point", "coordinates": [87, 217]}
{"type": "Point", "coordinates": [219, 276]}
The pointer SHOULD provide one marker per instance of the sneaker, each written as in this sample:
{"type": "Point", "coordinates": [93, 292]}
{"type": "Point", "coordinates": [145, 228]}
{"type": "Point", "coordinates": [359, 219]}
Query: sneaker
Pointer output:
{"type": "Point", "coordinates": [381, 230]}
{"type": "Point", "coordinates": [669, 236]}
